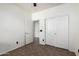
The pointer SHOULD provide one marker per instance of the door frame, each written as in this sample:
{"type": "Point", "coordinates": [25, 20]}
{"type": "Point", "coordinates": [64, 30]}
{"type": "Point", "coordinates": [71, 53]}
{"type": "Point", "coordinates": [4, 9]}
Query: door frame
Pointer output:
{"type": "Point", "coordinates": [56, 17]}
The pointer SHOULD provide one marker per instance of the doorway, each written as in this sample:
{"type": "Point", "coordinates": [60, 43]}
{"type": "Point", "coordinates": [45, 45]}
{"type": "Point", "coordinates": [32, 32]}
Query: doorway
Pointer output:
{"type": "Point", "coordinates": [36, 32]}
{"type": "Point", "coordinates": [57, 31]}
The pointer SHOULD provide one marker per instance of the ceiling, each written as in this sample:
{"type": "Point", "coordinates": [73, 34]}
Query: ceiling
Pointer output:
{"type": "Point", "coordinates": [40, 6]}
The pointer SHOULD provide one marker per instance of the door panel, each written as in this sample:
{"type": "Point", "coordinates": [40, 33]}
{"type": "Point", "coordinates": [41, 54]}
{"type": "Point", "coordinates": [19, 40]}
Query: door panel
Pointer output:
{"type": "Point", "coordinates": [57, 31]}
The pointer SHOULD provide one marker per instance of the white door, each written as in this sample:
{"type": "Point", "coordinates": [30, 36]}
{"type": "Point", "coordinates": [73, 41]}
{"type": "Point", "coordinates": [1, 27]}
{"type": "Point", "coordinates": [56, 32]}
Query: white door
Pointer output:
{"type": "Point", "coordinates": [57, 31]}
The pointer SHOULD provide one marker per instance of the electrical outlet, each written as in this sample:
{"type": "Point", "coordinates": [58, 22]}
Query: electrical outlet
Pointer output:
{"type": "Point", "coordinates": [16, 42]}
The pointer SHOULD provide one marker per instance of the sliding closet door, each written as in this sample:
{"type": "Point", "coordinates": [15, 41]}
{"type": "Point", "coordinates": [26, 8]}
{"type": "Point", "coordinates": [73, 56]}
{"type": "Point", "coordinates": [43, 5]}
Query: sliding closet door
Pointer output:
{"type": "Point", "coordinates": [57, 31]}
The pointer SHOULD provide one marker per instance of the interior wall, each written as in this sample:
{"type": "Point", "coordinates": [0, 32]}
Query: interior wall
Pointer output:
{"type": "Point", "coordinates": [28, 27]}
{"type": "Point", "coordinates": [72, 11]}
{"type": "Point", "coordinates": [12, 27]}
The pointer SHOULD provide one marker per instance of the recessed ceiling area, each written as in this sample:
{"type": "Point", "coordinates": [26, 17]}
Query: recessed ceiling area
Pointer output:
{"type": "Point", "coordinates": [40, 6]}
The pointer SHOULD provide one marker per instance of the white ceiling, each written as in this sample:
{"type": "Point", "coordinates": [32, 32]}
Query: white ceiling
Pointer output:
{"type": "Point", "coordinates": [40, 6]}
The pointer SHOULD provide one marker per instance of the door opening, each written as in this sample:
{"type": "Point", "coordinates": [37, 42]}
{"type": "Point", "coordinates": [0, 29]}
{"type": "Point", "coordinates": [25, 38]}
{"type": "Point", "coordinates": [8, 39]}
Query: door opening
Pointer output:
{"type": "Point", "coordinates": [36, 32]}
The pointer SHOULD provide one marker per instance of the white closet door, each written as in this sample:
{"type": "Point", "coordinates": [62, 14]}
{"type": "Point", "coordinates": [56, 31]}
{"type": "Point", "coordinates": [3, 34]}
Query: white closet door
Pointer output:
{"type": "Point", "coordinates": [57, 31]}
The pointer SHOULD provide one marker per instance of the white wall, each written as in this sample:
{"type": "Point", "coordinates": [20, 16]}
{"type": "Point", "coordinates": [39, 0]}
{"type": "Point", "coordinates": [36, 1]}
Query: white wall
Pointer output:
{"type": "Point", "coordinates": [12, 26]}
{"type": "Point", "coordinates": [36, 33]}
{"type": "Point", "coordinates": [71, 10]}
{"type": "Point", "coordinates": [28, 27]}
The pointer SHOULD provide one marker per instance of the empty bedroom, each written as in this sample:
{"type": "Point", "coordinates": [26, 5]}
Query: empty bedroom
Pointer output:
{"type": "Point", "coordinates": [39, 29]}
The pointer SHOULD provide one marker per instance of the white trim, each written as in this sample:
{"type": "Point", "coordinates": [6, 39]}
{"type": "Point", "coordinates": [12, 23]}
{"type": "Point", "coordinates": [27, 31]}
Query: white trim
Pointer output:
{"type": "Point", "coordinates": [10, 50]}
{"type": "Point", "coordinates": [56, 16]}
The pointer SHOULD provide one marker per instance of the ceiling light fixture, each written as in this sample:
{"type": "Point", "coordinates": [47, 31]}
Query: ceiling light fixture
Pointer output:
{"type": "Point", "coordinates": [34, 4]}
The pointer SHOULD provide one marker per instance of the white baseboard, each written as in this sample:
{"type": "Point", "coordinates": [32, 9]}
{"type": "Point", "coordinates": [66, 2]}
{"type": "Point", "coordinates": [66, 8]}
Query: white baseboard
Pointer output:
{"type": "Point", "coordinates": [10, 50]}
{"type": "Point", "coordinates": [76, 53]}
